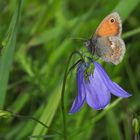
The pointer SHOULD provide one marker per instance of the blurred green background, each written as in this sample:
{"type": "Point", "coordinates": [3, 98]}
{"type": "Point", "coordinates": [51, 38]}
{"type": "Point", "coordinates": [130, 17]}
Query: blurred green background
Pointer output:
{"type": "Point", "coordinates": [36, 39]}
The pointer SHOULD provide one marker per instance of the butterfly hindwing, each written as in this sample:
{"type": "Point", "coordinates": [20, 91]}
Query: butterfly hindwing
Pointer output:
{"type": "Point", "coordinates": [110, 49]}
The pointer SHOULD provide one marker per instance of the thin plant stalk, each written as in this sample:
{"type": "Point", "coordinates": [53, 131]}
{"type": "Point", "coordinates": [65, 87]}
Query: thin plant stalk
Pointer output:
{"type": "Point", "coordinates": [32, 118]}
{"type": "Point", "coordinates": [63, 90]}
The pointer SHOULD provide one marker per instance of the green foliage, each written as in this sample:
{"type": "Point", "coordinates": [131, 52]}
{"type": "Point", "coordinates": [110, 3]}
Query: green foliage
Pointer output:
{"type": "Point", "coordinates": [34, 53]}
{"type": "Point", "coordinates": [7, 53]}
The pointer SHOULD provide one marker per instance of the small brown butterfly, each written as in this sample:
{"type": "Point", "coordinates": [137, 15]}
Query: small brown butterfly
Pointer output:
{"type": "Point", "coordinates": [106, 42]}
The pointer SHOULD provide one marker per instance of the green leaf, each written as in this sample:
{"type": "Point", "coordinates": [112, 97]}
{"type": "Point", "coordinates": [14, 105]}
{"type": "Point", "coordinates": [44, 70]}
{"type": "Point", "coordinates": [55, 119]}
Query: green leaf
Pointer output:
{"type": "Point", "coordinates": [48, 113]}
{"type": "Point", "coordinates": [7, 53]}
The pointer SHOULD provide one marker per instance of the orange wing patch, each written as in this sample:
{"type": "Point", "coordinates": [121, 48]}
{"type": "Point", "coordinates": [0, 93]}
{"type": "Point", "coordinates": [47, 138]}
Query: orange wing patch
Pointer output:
{"type": "Point", "coordinates": [110, 26]}
{"type": "Point", "coordinates": [107, 29]}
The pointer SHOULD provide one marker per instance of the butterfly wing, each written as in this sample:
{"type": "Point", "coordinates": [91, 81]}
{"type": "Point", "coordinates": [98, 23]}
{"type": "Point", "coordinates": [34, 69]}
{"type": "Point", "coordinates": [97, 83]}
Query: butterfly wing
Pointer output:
{"type": "Point", "coordinates": [106, 42]}
{"type": "Point", "coordinates": [110, 26]}
{"type": "Point", "coordinates": [110, 49]}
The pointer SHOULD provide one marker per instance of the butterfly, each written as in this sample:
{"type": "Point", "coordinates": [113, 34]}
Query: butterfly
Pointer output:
{"type": "Point", "coordinates": [106, 43]}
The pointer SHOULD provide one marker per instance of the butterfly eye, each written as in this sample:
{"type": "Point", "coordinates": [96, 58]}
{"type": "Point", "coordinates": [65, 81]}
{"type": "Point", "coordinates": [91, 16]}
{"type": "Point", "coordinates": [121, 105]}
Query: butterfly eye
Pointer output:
{"type": "Point", "coordinates": [112, 20]}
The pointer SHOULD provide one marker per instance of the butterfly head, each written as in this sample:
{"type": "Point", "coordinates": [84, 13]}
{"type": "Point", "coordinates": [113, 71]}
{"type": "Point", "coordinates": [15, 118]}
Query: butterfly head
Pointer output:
{"type": "Point", "coordinates": [87, 43]}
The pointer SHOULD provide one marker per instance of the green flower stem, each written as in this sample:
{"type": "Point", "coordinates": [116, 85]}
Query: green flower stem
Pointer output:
{"type": "Point", "coordinates": [8, 113]}
{"type": "Point", "coordinates": [63, 90]}
{"type": "Point", "coordinates": [74, 65]}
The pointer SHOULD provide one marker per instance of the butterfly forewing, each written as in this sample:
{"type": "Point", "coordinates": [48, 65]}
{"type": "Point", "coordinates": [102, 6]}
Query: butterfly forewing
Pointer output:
{"type": "Point", "coordinates": [110, 26]}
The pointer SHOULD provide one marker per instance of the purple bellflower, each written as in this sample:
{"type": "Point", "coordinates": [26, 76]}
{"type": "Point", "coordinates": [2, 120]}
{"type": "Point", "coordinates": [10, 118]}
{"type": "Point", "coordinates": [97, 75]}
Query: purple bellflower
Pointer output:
{"type": "Point", "coordinates": [96, 90]}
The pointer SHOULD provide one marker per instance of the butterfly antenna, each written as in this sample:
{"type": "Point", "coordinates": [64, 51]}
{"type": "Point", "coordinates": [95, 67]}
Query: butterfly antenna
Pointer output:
{"type": "Point", "coordinates": [79, 38]}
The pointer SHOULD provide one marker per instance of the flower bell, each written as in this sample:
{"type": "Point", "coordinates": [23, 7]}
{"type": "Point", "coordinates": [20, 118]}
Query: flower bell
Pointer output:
{"type": "Point", "coordinates": [95, 88]}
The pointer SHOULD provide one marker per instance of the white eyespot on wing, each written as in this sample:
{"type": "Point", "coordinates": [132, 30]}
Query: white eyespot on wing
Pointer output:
{"type": "Point", "coordinates": [113, 45]}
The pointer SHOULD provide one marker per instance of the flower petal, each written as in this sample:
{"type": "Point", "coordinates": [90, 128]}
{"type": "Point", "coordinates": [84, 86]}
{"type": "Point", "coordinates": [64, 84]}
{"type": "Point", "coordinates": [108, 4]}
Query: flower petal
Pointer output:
{"type": "Point", "coordinates": [80, 98]}
{"type": "Point", "coordinates": [97, 94]}
{"type": "Point", "coordinates": [114, 88]}
{"type": "Point", "coordinates": [118, 91]}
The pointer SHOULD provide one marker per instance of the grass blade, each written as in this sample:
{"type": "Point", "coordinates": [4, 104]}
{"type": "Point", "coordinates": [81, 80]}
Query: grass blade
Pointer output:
{"type": "Point", "coordinates": [7, 53]}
